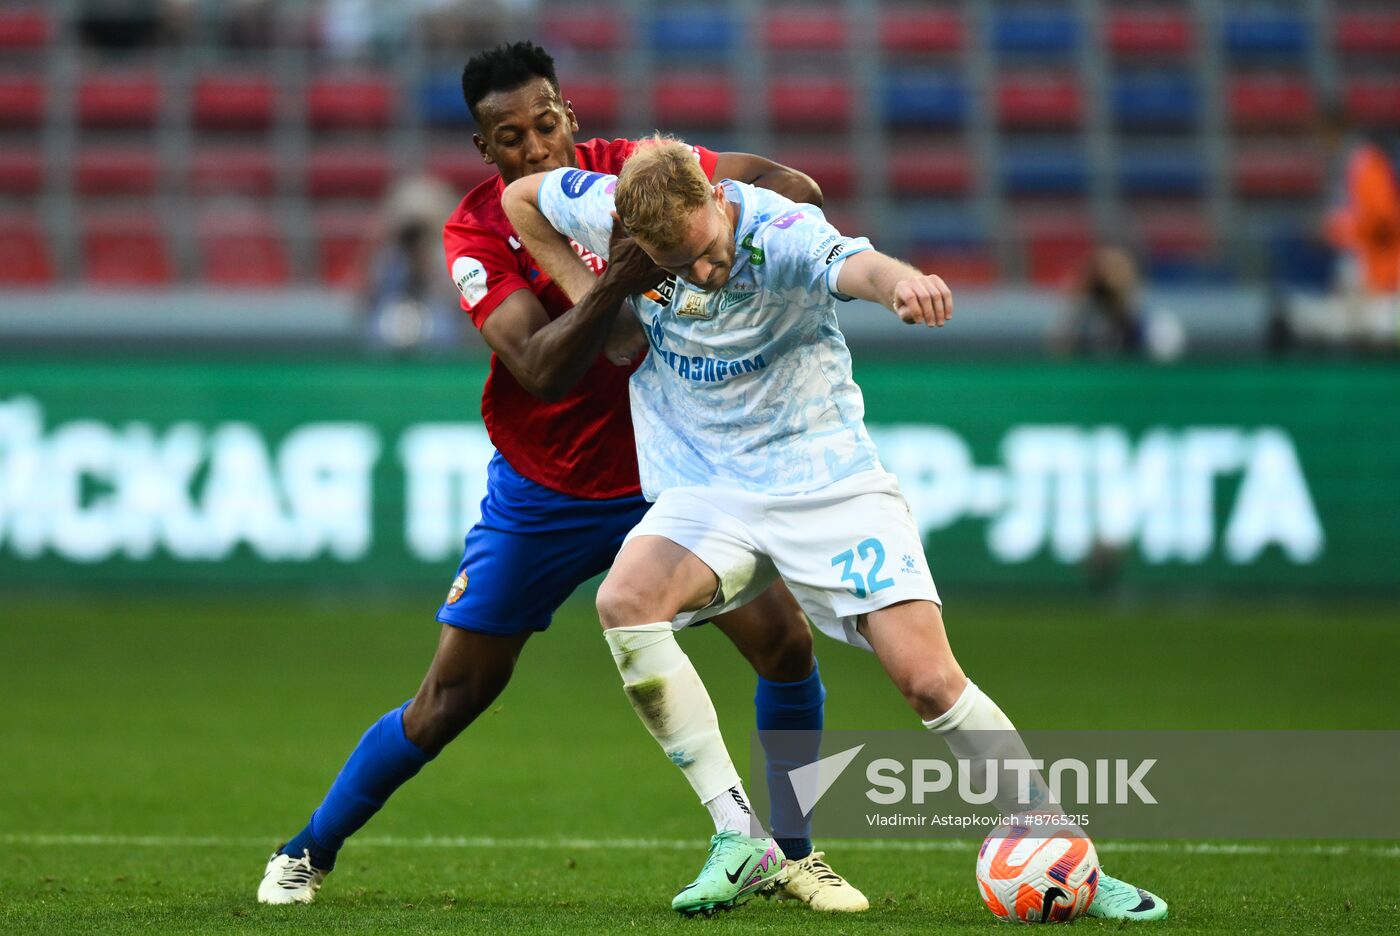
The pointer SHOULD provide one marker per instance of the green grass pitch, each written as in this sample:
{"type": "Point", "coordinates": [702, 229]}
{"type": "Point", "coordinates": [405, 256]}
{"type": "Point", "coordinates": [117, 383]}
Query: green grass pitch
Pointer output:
{"type": "Point", "coordinates": [153, 749]}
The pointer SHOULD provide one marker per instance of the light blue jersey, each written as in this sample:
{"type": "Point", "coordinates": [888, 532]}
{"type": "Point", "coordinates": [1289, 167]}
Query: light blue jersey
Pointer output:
{"type": "Point", "coordinates": [749, 386]}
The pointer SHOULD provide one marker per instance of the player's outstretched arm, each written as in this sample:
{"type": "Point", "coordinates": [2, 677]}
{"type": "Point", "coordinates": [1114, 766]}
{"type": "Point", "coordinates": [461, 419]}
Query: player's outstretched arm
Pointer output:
{"type": "Point", "coordinates": [548, 357]}
{"type": "Point", "coordinates": [917, 298]}
{"type": "Point", "coordinates": [765, 173]}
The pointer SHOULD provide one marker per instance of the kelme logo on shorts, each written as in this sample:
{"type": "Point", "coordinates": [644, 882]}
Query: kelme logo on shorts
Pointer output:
{"type": "Point", "coordinates": [459, 585]}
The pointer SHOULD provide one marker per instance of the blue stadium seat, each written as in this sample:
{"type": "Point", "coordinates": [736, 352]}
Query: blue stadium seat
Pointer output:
{"type": "Point", "coordinates": [1299, 259]}
{"type": "Point", "coordinates": [440, 99]}
{"type": "Point", "coordinates": [1156, 99]}
{"type": "Point", "coordinates": [912, 99]}
{"type": "Point", "coordinates": [1161, 172]}
{"type": "Point", "coordinates": [1033, 30]}
{"type": "Point", "coordinates": [933, 225]}
{"type": "Point", "coordinates": [692, 30]}
{"type": "Point", "coordinates": [1265, 33]}
{"type": "Point", "coordinates": [1187, 272]}
{"type": "Point", "coordinates": [1047, 169]}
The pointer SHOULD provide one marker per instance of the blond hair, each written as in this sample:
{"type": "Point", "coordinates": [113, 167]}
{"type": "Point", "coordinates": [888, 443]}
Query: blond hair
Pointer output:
{"type": "Point", "coordinates": [660, 185]}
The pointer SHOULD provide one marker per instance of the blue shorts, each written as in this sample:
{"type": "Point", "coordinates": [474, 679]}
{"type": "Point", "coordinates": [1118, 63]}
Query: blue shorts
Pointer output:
{"type": "Point", "coordinates": [531, 548]}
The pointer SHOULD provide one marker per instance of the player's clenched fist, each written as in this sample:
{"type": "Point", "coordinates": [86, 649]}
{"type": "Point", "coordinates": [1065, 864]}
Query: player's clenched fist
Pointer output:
{"type": "Point", "coordinates": [923, 300]}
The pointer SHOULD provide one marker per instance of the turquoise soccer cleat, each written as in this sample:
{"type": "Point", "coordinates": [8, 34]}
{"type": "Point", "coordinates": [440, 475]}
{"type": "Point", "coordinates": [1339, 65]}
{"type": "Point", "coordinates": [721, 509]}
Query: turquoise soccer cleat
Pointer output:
{"type": "Point", "coordinates": [737, 867]}
{"type": "Point", "coordinates": [1119, 900]}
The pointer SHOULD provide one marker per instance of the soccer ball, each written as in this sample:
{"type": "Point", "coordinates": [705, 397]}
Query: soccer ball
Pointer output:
{"type": "Point", "coordinates": [1035, 875]}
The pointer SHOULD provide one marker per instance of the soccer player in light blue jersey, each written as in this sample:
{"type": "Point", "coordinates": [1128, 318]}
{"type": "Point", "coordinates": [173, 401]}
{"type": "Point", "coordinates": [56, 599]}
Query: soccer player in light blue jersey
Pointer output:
{"type": "Point", "coordinates": [753, 449]}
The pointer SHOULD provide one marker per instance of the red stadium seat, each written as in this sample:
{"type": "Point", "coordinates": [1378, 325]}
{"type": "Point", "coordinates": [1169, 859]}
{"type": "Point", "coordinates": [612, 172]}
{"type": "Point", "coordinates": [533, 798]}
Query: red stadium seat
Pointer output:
{"type": "Point", "coordinates": [924, 171]}
{"type": "Point", "coordinates": [21, 101]}
{"type": "Point", "coordinates": [125, 250]}
{"type": "Point", "coordinates": [119, 100]}
{"type": "Point", "coordinates": [1039, 100]}
{"type": "Point", "coordinates": [913, 30]}
{"type": "Point", "coordinates": [597, 102]}
{"type": "Point", "coordinates": [24, 253]}
{"type": "Point", "coordinates": [804, 28]}
{"type": "Point", "coordinates": [1136, 32]}
{"type": "Point", "coordinates": [24, 27]}
{"type": "Point", "coordinates": [111, 170]}
{"type": "Point", "coordinates": [959, 266]}
{"type": "Point", "coordinates": [460, 167]}
{"type": "Point", "coordinates": [597, 28]}
{"type": "Point", "coordinates": [1368, 31]}
{"type": "Point", "coordinates": [834, 170]}
{"type": "Point", "coordinates": [1177, 234]}
{"type": "Point", "coordinates": [360, 101]}
{"type": "Point", "coordinates": [809, 102]}
{"type": "Point", "coordinates": [694, 100]}
{"type": "Point", "coordinates": [1278, 172]}
{"type": "Point", "coordinates": [234, 102]}
{"type": "Point", "coordinates": [1373, 102]}
{"type": "Point", "coordinates": [1056, 247]}
{"type": "Point", "coordinates": [1270, 101]}
{"type": "Point", "coordinates": [347, 173]}
{"type": "Point", "coordinates": [233, 170]}
{"type": "Point", "coordinates": [242, 251]}
{"type": "Point", "coordinates": [344, 241]}
{"type": "Point", "coordinates": [21, 171]}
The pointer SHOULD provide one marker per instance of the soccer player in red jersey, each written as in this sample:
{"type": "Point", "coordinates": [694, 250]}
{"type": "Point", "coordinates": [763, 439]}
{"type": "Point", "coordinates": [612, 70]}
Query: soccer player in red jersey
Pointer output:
{"type": "Point", "coordinates": [563, 488]}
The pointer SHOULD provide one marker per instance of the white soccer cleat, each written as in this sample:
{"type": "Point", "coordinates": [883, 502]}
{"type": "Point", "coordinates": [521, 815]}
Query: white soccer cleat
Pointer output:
{"type": "Point", "coordinates": [289, 880]}
{"type": "Point", "coordinates": [812, 881]}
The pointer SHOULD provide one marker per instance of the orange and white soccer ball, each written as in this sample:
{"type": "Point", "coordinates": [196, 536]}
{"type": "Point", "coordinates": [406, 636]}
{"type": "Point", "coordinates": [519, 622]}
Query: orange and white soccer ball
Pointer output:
{"type": "Point", "coordinates": [1035, 875]}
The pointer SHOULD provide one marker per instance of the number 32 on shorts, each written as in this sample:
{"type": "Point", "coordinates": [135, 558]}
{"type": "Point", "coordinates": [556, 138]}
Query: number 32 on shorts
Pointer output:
{"type": "Point", "coordinates": [870, 553]}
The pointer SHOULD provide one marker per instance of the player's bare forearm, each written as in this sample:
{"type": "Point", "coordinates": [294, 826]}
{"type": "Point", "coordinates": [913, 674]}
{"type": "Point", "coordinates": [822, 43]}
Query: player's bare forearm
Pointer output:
{"type": "Point", "coordinates": [550, 248]}
{"type": "Point", "coordinates": [756, 170]}
{"type": "Point", "coordinates": [917, 298]}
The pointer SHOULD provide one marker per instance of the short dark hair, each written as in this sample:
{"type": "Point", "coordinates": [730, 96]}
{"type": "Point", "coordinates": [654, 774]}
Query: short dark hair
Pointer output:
{"type": "Point", "coordinates": [505, 68]}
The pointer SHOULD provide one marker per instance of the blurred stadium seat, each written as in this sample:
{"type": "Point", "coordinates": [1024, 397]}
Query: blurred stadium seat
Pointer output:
{"type": "Point", "coordinates": [923, 99]}
{"type": "Point", "coordinates": [810, 101]}
{"type": "Point", "coordinates": [117, 170]}
{"type": "Point", "coordinates": [125, 249]}
{"type": "Point", "coordinates": [596, 28]}
{"type": "Point", "coordinates": [694, 30]}
{"type": "Point", "coordinates": [694, 99]}
{"type": "Point", "coordinates": [833, 170]}
{"type": "Point", "coordinates": [1161, 171]}
{"type": "Point", "coordinates": [460, 167]}
{"type": "Point", "coordinates": [1135, 31]}
{"type": "Point", "coordinates": [1373, 101]}
{"type": "Point", "coordinates": [1043, 30]}
{"type": "Point", "coordinates": [1044, 169]}
{"type": "Point", "coordinates": [440, 100]}
{"type": "Point", "coordinates": [597, 100]}
{"type": "Point", "coordinates": [1274, 171]}
{"type": "Point", "coordinates": [1372, 30]}
{"type": "Point", "coordinates": [1056, 247]}
{"type": "Point", "coordinates": [242, 250]}
{"type": "Point", "coordinates": [1271, 31]}
{"type": "Point", "coordinates": [1159, 100]}
{"type": "Point", "coordinates": [362, 100]}
{"type": "Point", "coordinates": [24, 27]}
{"type": "Point", "coordinates": [805, 28]}
{"type": "Point", "coordinates": [233, 170]}
{"type": "Point", "coordinates": [348, 172]}
{"type": "Point", "coordinates": [910, 29]}
{"type": "Point", "coordinates": [924, 170]}
{"type": "Point", "coordinates": [21, 171]}
{"type": "Point", "coordinates": [1270, 101]}
{"type": "Point", "coordinates": [120, 99]}
{"type": "Point", "coordinates": [21, 101]}
{"type": "Point", "coordinates": [24, 253]}
{"type": "Point", "coordinates": [343, 241]}
{"type": "Point", "coordinates": [234, 101]}
{"type": "Point", "coordinates": [1039, 100]}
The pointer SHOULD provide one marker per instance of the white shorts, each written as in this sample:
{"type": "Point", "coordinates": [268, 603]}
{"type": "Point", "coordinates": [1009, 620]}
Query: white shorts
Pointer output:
{"type": "Point", "coordinates": [845, 550]}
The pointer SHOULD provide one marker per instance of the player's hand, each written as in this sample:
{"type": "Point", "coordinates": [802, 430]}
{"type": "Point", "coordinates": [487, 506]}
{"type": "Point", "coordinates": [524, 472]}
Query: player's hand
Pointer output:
{"type": "Point", "coordinates": [629, 267]}
{"type": "Point", "coordinates": [925, 300]}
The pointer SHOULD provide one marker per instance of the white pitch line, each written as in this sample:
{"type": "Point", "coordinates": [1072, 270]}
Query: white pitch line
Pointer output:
{"type": "Point", "coordinates": [53, 840]}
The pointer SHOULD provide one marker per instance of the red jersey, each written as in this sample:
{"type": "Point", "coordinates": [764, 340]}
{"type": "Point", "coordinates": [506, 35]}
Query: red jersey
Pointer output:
{"type": "Point", "coordinates": [582, 444]}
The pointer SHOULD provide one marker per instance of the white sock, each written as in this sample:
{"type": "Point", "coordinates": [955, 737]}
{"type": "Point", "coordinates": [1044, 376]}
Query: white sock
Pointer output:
{"type": "Point", "coordinates": [977, 731]}
{"type": "Point", "coordinates": [674, 705]}
{"type": "Point", "coordinates": [732, 812]}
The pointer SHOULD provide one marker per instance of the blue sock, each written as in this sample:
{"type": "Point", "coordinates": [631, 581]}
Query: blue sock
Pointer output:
{"type": "Point", "coordinates": [794, 706]}
{"type": "Point", "coordinates": [379, 765]}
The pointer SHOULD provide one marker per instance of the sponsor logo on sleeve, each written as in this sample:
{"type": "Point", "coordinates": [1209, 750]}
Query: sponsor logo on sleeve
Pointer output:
{"type": "Point", "coordinates": [836, 251]}
{"type": "Point", "coordinates": [470, 277]}
{"type": "Point", "coordinates": [576, 181]}
{"type": "Point", "coordinates": [664, 293]}
{"type": "Point", "coordinates": [787, 220]}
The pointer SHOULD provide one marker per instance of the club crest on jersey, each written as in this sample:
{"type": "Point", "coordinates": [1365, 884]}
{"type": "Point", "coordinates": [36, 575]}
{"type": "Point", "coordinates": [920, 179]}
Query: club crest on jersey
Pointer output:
{"type": "Point", "coordinates": [738, 295]}
{"type": "Point", "coordinates": [696, 305]}
{"type": "Point", "coordinates": [459, 585]}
